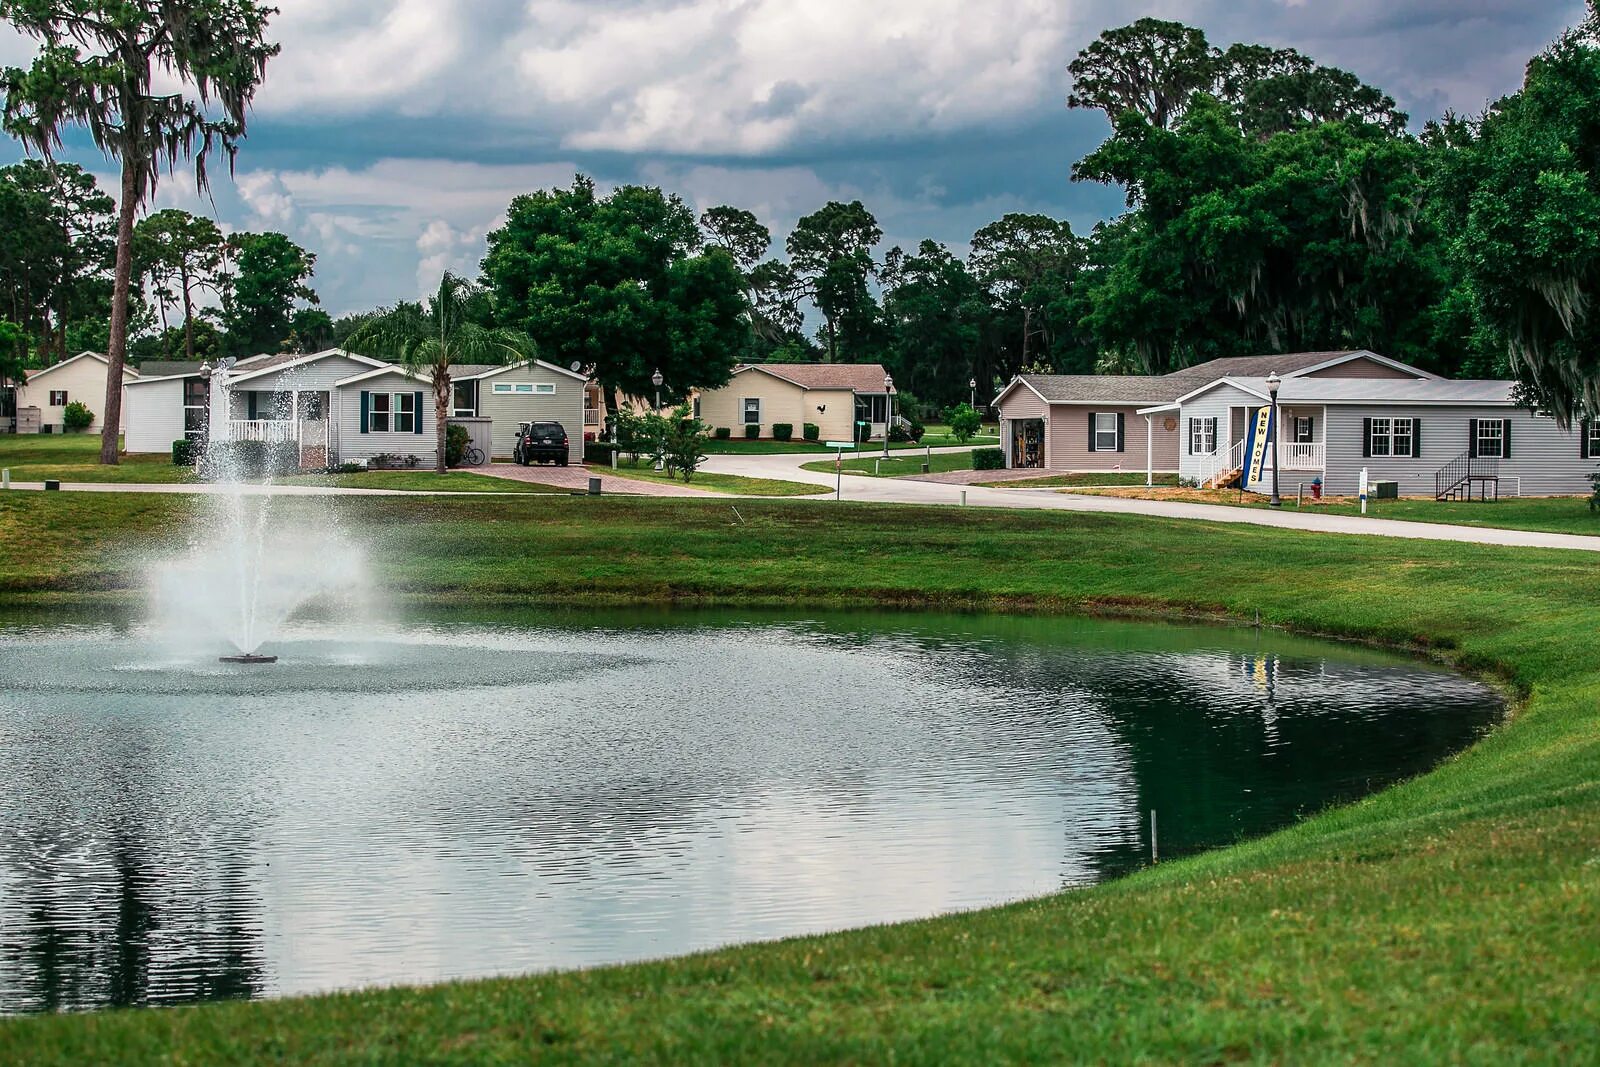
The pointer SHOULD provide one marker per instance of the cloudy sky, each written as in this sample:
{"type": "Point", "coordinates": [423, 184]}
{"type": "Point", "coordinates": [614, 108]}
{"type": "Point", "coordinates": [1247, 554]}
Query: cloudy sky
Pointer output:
{"type": "Point", "coordinates": [389, 137]}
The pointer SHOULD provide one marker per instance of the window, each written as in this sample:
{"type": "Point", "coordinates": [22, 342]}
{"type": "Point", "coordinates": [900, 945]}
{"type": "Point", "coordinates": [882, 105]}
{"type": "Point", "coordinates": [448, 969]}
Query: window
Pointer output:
{"type": "Point", "coordinates": [697, 406]}
{"type": "Point", "coordinates": [1592, 433]}
{"type": "Point", "coordinates": [1303, 430]}
{"type": "Point", "coordinates": [752, 411]}
{"type": "Point", "coordinates": [1103, 437]}
{"type": "Point", "coordinates": [1391, 437]}
{"type": "Point", "coordinates": [378, 416]}
{"type": "Point", "coordinates": [58, 398]}
{"type": "Point", "coordinates": [1202, 436]}
{"type": "Point", "coordinates": [1489, 438]}
{"type": "Point", "coordinates": [464, 399]}
{"type": "Point", "coordinates": [196, 401]}
{"type": "Point", "coordinates": [405, 412]}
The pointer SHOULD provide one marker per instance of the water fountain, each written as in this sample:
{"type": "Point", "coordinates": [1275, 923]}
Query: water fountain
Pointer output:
{"type": "Point", "coordinates": [253, 562]}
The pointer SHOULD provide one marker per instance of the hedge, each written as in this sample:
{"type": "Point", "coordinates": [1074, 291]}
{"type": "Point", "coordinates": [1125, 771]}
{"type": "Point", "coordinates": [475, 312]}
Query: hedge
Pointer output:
{"type": "Point", "coordinates": [752, 431]}
{"type": "Point", "coordinates": [988, 459]}
{"type": "Point", "coordinates": [811, 431]}
{"type": "Point", "coordinates": [782, 431]}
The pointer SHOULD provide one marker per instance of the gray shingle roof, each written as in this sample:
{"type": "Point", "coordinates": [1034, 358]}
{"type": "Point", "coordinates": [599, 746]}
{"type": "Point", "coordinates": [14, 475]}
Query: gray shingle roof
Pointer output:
{"type": "Point", "coordinates": [1109, 388]}
{"type": "Point", "coordinates": [1285, 363]}
{"type": "Point", "coordinates": [167, 368]}
{"type": "Point", "coordinates": [1382, 390]}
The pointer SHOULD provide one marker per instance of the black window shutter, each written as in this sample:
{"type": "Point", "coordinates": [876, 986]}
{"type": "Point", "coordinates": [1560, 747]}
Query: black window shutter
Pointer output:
{"type": "Point", "coordinates": [1366, 437]}
{"type": "Point", "coordinates": [1122, 432]}
{"type": "Point", "coordinates": [1092, 417]}
{"type": "Point", "coordinates": [1416, 438]}
{"type": "Point", "coordinates": [1191, 435]}
{"type": "Point", "coordinates": [1472, 437]}
{"type": "Point", "coordinates": [1505, 438]}
{"type": "Point", "coordinates": [366, 410]}
{"type": "Point", "coordinates": [416, 411]}
{"type": "Point", "coordinates": [1583, 440]}
{"type": "Point", "coordinates": [250, 405]}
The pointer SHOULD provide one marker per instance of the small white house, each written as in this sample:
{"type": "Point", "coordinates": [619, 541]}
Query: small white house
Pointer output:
{"type": "Point", "coordinates": [41, 401]}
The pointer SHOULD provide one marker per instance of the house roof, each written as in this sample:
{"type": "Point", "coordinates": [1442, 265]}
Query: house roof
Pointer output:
{"type": "Point", "coordinates": [39, 372]}
{"type": "Point", "coordinates": [382, 369]}
{"type": "Point", "coordinates": [1385, 391]}
{"type": "Point", "coordinates": [1104, 388]}
{"type": "Point", "coordinates": [1288, 365]}
{"type": "Point", "coordinates": [857, 377]}
{"type": "Point", "coordinates": [168, 368]}
{"type": "Point", "coordinates": [493, 369]}
{"type": "Point", "coordinates": [279, 361]}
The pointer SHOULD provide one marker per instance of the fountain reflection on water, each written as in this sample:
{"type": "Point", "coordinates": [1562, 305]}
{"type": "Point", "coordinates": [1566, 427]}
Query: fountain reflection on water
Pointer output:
{"type": "Point", "coordinates": [252, 564]}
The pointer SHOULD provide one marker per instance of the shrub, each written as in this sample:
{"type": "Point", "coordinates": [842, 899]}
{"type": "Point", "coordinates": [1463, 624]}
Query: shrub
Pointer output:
{"type": "Point", "coordinates": [185, 452]}
{"type": "Point", "coordinates": [251, 459]}
{"type": "Point", "coordinates": [722, 433]}
{"type": "Point", "coordinates": [965, 421]}
{"type": "Point", "coordinates": [988, 459]}
{"type": "Point", "coordinates": [811, 431]}
{"type": "Point", "coordinates": [685, 443]}
{"type": "Point", "coordinates": [456, 440]}
{"type": "Point", "coordinates": [752, 431]}
{"type": "Point", "coordinates": [1594, 499]}
{"type": "Point", "coordinates": [898, 434]}
{"type": "Point", "coordinates": [917, 430]}
{"type": "Point", "coordinates": [77, 417]}
{"type": "Point", "coordinates": [599, 452]}
{"type": "Point", "coordinates": [782, 431]}
{"type": "Point", "coordinates": [393, 461]}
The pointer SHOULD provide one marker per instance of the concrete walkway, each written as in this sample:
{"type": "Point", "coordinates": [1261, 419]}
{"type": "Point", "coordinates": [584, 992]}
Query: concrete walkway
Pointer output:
{"type": "Point", "coordinates": [918, 491]}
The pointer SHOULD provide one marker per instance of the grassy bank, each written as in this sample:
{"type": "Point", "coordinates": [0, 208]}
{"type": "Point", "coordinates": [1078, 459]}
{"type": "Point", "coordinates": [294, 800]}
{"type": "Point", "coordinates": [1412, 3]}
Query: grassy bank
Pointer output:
{"type": "Point", "coordinates": [712, 482]}
{"type": "Point", "coordinates": [75, 457]}
{"type": "Point", "coordinates": [1445, 920]}
{"type": "Point", "coordinates": [735, 446]}
{"type": "Point", "coordinates": [426, 481]}
{"type": "Point", "coordinates": [897, 466]}
{"type": "Point", "coordinates": [1555, 514]}
{"type": "Point", "coordinates": [1080, 478]}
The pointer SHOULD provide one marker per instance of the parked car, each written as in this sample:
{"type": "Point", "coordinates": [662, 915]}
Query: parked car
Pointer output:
{"type": "Point", "coordinates": [540, 442]}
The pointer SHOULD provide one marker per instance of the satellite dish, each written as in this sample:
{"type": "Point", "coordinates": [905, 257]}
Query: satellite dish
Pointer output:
{"type": "Point", "coordinates": [229, 361]}
{"type": "Point", "coordinates": [576, 366]}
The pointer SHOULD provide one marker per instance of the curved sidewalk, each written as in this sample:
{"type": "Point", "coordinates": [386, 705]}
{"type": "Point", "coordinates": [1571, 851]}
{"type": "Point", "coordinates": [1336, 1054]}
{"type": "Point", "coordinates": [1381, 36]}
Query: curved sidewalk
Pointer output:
{"type": "Point", "coordinates": [915, 491]}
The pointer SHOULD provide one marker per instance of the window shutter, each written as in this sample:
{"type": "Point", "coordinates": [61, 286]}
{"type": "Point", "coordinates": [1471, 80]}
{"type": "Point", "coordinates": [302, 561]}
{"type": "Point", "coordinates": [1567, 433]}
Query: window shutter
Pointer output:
{"type": "Point", "coordinates": [250, 405]}
{"type": "Point", "coordinates": [1416, 438]}
{"type": "Point", "coordinates": [1122, 432]}
{"type": "Point", "coordinates": [1472, 438]}
{"type": "Point", "coordinates": [1505, 439]}
{"type": "Point", "coordinates": [1190, 435]}
{"type": "Point", "coordinates": [1093, 418]}
{"type": "Point", "coordinates": [1583, 440]}
{"type": "Point", "coordinates": [366, 410]}
{"type": "Point", "coordinates": [416, 411]}
{"type": "Point", "coordinates": [1366, 437]}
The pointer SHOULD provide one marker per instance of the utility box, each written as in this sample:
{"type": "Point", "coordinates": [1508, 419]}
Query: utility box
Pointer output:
{"type": "Point", "coordinates": [1386, 490]}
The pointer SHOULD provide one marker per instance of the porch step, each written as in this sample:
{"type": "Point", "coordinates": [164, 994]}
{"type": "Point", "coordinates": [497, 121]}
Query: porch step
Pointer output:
{"type": "Point", "coordinates": [1227, 479]}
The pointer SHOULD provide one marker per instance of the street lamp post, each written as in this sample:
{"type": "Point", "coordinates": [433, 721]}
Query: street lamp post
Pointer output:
{"type": "Point", "coordinates": [888, 411]}
{"type": "Point", "coordinates": [973, 385]}
{"type": "Point", "coordinates": [656, 379]}
{"type": "Point", "coordinates": [1273, 384]}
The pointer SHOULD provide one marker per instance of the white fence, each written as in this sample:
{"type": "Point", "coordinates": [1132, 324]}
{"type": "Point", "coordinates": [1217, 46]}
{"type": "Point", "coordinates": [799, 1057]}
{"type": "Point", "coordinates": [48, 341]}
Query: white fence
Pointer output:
{"type": "Point", "coordinates": [1303, 455]}
{"type": "Point", "coordinates": [307, 434]}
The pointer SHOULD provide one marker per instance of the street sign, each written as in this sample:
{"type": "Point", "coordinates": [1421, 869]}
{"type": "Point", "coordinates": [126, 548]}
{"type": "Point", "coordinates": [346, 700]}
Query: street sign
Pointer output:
{"type": "Point", "coordinates": [841, 444]}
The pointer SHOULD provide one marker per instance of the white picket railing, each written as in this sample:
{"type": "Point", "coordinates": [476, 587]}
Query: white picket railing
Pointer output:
{"type": "Point", "coordinates": [1303, 455]}
{"type": "Point", "coordinates": [1218, 463]}
{"type": "Point", "coordinates": [307, 433]}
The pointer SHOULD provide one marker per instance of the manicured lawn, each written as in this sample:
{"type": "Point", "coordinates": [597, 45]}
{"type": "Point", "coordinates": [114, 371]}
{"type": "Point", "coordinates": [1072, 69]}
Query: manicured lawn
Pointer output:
{"type": "Point", "coordinates": [716, 483]}
{"type": "Point", "coordinates": [455, 481]}
{"type": "Point", "coordinates": [74, 457]}
{"type": "Point", "coordinates": [1556, 514]}
{"type": "Point", "coordinates": [1081, 478]}
{"type": "Point", "coordinates": [897, 467]}
{"type": "Point", "coordinates": [1447, 920]}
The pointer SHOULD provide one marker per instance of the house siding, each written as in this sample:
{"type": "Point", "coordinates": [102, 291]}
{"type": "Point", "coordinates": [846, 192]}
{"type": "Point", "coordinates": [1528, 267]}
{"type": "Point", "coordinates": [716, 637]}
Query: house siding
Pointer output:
{"type": "Point", "coordinates": [307, 378]}
{"type": "Point", "coordinates": [781, 402]}
{"type": "Point", "coordinates": [1362, 368]}
{"type": "Point", "coordinates": [1067, 441]}
{"type": "Point", "coordinates": [565, 406]}
{"type": "Point", "coordinates": [85, 383]}
{"type": "Point", "coordinates": [1218, 404]}
{"type": "Point", "coordinates": [351, 445]}
{"type": "Point", "coordinates": [153, 416]}
{"type": "Point", "coordinates": [1544, 457]}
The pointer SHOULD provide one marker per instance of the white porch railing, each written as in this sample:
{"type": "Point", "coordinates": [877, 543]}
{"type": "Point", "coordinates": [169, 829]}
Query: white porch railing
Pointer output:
{"type": "Point", "coordinates": [1303, 455]}
{"type": "Point", "coordinates": [591, 416]}
{"type": "Point", "coordinates": [1219, 463]}
{"type": "Point", "coordinates": [306, 433]}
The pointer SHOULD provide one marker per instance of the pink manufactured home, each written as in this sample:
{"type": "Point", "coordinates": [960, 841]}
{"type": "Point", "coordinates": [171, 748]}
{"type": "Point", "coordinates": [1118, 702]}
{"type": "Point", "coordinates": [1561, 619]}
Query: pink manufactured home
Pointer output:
{"type": "Point", "coordinates": [1093, 422]}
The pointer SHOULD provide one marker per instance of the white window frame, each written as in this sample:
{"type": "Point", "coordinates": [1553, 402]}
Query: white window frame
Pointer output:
{"type": "Point", "coordinates": [1594, 440]}
{"type": "Point", "coordinates": [1499, 439]}
{"type": "Point", "coordinates": [460, 412]}
{"type": "Point", "coordinates": [744, 410]}
{"type": "Point", "coordinates": [1100, 430]}
{"type": "Point", "coordinates": [1203, 433]}
{"type": "Point", "coordinates": [1403, 430]}
{"type": "Point", "coordinates": [404, 406]}
{"type": "Point", "coordinates": [1378, 447]}
{"type": "Point", "coordinates": [375, 414]}
{"type": "Point", "coordinates": [1306, 422]}
{"type": "Point", "coordinates": [62, 393]}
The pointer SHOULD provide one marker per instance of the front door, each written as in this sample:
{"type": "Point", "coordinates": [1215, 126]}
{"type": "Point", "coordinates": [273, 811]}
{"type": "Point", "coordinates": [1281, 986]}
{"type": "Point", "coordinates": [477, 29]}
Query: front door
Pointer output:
{"type": "Point", "coordinates": [1027, 443]}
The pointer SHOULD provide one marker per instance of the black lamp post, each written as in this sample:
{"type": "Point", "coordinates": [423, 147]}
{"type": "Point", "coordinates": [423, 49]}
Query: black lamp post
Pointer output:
{"type": "Point", "coordinates": [973, 385]}
{"type": "Point", "coordinates": [656, 379]}
{"type": "Point", "coordinates": [1273, 383]}
{"type": "Point", "coordinates": [888, 411]}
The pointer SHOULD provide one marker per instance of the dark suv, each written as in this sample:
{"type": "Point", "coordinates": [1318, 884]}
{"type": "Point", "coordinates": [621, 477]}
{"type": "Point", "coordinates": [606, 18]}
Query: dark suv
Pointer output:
{"type": "Point", "coordinates": [539, 442]}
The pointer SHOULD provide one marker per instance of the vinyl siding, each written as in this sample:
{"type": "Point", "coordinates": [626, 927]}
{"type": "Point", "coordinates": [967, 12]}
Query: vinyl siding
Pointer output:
{"type": "Point", "coordinates": [781, 401]}
{"type": "Point", "coordinates": [1545, 457]}
{"type": "Point", "coordinates": [1363, 368]}
{"type": "Point", "coordinates": [85, 383]}
{"type": "Point", "coordinates": [353, 446]}
{"type": "Point", "coordinates": [153, 416]}
{"type": "Point", "coordinates": [565, 406]}
{"type": "Point", "coordinates": [308, 377]}
{"type": "Point", "coordinates": [1022, 403]}
{"type": "Point", "coordinates": [1067, 441]}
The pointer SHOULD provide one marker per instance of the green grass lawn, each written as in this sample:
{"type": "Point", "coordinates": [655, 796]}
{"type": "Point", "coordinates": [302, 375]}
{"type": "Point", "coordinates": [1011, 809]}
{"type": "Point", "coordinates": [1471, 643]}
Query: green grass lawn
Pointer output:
{"type": "Point", "coordinates": [896, 466]}
{"type": "Point", "coordinates": [1080, 478]}
{"type": "Point", "coordinates": [716, 483]}
{"type": "Point", "coordinates": [75, 457]}
{"type": "Point", "coordinates": [1450, 919]}
{"type": "Point", "coordinates": [455, 481]}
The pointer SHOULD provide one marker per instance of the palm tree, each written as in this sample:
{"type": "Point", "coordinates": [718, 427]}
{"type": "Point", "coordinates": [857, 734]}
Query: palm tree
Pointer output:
{"type": "Point", "coordinates": [433, 339]}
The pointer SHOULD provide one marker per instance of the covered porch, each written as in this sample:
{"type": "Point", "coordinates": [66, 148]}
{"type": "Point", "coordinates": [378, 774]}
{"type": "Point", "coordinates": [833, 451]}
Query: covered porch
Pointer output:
{"type": "Point", "coordinates": [299, 417]}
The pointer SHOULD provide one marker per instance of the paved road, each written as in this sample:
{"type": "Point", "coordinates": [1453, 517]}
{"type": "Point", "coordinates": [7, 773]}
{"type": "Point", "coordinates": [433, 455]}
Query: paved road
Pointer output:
{"type": "Point", "coordinates": [915, 491]}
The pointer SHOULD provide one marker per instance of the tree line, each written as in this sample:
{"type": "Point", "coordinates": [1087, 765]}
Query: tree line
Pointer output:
{"type": "Point", "coordinates": [1273, 203]}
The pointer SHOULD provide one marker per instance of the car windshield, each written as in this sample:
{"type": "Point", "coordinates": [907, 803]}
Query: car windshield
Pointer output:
{"type": "Point", "coordinates": [546, 427]}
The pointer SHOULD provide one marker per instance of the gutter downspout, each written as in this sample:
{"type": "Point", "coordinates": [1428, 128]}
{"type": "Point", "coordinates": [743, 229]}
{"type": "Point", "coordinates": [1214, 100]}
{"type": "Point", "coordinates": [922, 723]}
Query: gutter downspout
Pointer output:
{"type": "Point", "coordinates": [1149, 451]}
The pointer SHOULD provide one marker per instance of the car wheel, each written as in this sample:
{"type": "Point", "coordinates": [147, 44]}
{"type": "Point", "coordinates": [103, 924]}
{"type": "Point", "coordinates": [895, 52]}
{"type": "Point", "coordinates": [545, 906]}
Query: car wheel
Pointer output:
{"type": "Point", "coordinates": [562, 462]}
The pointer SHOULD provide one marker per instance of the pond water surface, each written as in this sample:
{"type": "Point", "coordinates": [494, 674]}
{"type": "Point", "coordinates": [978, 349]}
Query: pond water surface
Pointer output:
{"type": "Point", "coordinates": [502, 794]}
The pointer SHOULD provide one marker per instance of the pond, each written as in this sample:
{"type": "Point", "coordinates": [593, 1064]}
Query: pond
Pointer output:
{"type": "Point", "coordinates": [504, 793]}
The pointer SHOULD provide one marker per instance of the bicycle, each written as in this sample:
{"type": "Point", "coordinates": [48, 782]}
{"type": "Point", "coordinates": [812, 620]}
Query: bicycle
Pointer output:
{"type": "Point", "coordinates": [472, 457]}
